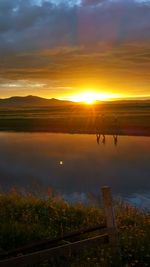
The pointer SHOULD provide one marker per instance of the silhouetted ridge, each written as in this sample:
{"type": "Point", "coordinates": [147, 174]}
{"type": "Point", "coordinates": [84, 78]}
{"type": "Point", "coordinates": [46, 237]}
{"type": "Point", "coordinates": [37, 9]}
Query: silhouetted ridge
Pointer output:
{"type": "Point", "coordinates": [36, 101]}
{"type": "Point", "coordinates": [32, 101]}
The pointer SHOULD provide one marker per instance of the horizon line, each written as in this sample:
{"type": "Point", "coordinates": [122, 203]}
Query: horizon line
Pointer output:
{"type": "Point", "coordinates": [130, 98]}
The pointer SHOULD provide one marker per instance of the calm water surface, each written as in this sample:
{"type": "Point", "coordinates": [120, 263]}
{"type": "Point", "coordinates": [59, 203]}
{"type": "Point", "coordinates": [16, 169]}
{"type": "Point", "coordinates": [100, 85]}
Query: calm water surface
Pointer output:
{"type": "Point", "coordinates": [76, 165]}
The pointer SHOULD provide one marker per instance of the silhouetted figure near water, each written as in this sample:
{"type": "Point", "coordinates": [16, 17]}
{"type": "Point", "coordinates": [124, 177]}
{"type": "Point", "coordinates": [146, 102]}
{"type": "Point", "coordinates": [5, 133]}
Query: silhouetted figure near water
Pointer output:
{"type": "Point", "coordinates": [104, 140]}
{"type": "Point", "coordinates": [115, 137]}
{"type": "Point", "coordinates": [98, 138]}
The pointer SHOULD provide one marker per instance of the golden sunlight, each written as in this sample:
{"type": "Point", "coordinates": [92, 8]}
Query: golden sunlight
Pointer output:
{"type": "Point", "coordinates": [90, 97]}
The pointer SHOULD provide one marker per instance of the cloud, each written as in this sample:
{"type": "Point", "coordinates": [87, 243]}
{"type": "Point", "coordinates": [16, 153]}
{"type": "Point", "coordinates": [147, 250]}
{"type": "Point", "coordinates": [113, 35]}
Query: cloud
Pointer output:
{"type": "Point", "coordinates": [72, 40]}
{"type": "Point", "coordinates": [25, 26]}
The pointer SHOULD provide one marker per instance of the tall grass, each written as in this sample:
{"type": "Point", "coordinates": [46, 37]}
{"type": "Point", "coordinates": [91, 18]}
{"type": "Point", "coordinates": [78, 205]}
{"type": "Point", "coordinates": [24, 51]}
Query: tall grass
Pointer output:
{"type": "Point", "coordinates": [27, 218]}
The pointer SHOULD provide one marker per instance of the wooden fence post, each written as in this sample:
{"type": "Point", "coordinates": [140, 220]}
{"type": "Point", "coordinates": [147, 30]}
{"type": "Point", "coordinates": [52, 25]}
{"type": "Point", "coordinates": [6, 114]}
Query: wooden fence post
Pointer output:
{"type": "Point", "coordinates": [111, 224]}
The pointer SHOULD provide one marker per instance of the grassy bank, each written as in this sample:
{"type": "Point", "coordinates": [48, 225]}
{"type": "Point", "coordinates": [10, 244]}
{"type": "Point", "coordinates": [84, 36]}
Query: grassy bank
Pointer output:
{"type": "Point", "coordinates": [25, 219]}
{"type": "Point", "coordinates": [127, 119]}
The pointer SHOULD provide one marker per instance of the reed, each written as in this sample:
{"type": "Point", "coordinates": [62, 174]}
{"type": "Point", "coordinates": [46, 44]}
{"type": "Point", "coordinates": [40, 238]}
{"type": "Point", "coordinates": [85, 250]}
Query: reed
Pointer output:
{"type": "Point", "coordinates": [28, 218]}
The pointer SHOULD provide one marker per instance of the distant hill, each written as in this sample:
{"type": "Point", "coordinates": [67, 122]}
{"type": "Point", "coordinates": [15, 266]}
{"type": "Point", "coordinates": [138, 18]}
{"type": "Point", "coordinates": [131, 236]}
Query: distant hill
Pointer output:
{"type": "Point", "coordinates": [38, 102]}
{"type": "Point", "coordinates": [132, 101]}
{"type": "Point", "coordinates": [31, 101]}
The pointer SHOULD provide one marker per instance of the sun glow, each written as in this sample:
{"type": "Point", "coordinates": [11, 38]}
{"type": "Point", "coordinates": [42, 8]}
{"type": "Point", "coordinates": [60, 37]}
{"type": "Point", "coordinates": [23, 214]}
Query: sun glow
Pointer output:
{"type": "Point", "coordinates": [90, 97]}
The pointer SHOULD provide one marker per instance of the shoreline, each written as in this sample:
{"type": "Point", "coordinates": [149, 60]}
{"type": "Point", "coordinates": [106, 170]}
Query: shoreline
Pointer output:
{"type": "Point", "coordinates": [112, 119]}
{"type": "Point", "coordinates": [49, 126]}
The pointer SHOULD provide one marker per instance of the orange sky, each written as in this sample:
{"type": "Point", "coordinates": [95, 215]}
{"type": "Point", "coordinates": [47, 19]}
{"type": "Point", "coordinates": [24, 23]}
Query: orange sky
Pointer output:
{"type": "Point", "coordinates": [63, 49]}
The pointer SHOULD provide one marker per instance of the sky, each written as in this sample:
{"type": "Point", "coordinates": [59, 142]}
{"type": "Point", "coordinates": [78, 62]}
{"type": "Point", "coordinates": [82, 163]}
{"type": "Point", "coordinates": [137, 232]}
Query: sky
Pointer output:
{"type": "Point", "coordinates": [61, 49]}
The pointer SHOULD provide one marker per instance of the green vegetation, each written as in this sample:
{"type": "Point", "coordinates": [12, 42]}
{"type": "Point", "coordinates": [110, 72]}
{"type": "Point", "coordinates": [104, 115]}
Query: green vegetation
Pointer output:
{"type": "Point", "coordinates": [130, 117]}
{"type": "Point", "coordinates": [127, 119]}
{"type": "Point", "coordinates": [24, 219]}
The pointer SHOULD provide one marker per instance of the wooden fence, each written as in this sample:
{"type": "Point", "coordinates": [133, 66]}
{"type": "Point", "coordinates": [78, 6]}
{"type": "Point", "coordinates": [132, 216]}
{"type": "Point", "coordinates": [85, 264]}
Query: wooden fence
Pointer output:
{"type": "Point", "coordinates": [39, 252]}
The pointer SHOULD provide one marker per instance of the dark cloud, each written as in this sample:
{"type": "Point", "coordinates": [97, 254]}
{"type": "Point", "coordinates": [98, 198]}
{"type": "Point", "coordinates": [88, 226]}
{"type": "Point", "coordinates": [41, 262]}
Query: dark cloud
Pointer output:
{"type": "Point", "coordinates": [72, 40]}
{"type": "Point", "coordinates": [25, 26]}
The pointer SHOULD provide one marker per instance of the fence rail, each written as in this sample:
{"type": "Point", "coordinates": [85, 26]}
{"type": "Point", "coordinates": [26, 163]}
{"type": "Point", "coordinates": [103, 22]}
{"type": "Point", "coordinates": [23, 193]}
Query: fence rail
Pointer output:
{"type": "Point", "coordinates": [48, 243]}
{"type": "Point", "coordinates": [43, 250]}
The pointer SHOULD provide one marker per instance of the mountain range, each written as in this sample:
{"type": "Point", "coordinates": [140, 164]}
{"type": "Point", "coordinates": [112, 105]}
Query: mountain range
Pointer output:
{"type": "Point", "coordinates": [35, 101]}
{"type": "Point", "coordinates": [31, 101]}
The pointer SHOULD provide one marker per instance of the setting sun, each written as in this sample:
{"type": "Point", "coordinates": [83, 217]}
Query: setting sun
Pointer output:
{"type": "Point", "coordinates": [85, 97]}
{"type": "Point", "coordinates": [90, 97]}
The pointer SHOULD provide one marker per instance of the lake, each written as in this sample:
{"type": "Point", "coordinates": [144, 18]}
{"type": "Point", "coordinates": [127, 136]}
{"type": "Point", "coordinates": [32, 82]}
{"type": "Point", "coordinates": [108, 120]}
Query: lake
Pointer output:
{"type": "Point", "coordinates": [76, 165]}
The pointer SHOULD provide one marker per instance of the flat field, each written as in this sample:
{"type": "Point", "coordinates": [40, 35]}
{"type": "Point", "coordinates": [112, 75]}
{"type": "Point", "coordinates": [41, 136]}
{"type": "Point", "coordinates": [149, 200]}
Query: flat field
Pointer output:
{"type": "Point", "coordinates": [106, 118]}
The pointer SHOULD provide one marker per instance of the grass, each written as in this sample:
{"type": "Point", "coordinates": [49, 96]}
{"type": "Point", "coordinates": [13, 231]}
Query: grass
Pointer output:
{"type": "Point", "coordinates": [24, 219]}
{"type": "Point", "coordinates": [106, 118]}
